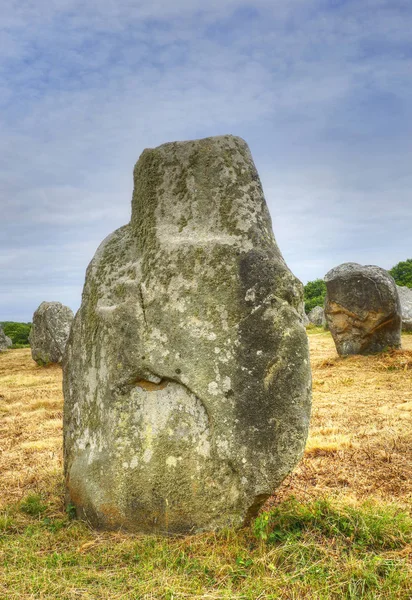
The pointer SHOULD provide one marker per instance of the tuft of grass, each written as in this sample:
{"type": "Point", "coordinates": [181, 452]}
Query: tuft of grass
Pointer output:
{"type": "Point", "coordinates": [369, 526]}
{"type": "Point", "coordinates": [33, 505]}
{"type": "Point", "coordinates": [318, 445]}
{"type": "Point", "coordinates": [6, 523]}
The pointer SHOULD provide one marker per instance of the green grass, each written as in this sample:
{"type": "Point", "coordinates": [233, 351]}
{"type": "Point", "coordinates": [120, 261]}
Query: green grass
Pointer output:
{"type": "Point", "coordinates": [316, 550]}
{"type": "Point", "coordinates": [33, 505]}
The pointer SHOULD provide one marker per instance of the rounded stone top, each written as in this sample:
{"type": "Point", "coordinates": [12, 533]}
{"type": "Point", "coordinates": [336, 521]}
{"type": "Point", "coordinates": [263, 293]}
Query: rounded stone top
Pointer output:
{"type": "Point", "coordinates": [352, 269]}
{"type": "Point", "coordinates": [218, 140]}
{"type": "Point", "coordinates": [52, 304]}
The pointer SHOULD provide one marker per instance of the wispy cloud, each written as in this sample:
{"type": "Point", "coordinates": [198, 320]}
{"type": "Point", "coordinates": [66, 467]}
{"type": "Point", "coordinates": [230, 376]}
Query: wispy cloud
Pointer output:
{"type": "Point", "coordinates": [320, 89]}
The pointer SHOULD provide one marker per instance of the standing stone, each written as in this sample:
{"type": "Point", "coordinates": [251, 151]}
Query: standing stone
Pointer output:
{"type": "Point", "coordinates": [317, 316]}
{"type": "Point", "coordinates": [186, 375]}
{"type": "Point", "coordinates": [362, 309]}
{"type": "Point", "coordinates": [49, 332]}
{"type": "Point", "coordinates": [303, 316]}
{"type": "Point", "coordinates": [405, 297]}
{"type": "Point", "coordinates": [5, 341]}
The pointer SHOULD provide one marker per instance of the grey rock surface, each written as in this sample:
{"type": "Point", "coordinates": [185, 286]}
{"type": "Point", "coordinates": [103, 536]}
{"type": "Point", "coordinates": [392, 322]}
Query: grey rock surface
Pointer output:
{"type": "Point", "coordinates": [317, 316]}
{"type": "Point", "coordinates": [405, 297]}
{"type": "Point", "coordinates": [186, 375]}
{"type": "Point", "coordinates": [5, 341]}
{"type": "Point", "coordinates": [303, 315]}
{"type": "Point", "coordinates": [362, 309]}
{"type": "Point", "coordinates": [49, 332]}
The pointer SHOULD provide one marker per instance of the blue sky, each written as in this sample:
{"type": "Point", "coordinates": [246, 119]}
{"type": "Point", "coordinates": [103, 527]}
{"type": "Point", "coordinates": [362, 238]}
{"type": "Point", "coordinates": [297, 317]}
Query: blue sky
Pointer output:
{"type": "Point", "coordinates": [320, 89]}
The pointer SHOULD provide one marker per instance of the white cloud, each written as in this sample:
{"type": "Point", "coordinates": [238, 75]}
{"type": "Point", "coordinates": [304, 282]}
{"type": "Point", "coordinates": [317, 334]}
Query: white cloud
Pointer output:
{"type": "Point", "coordinates": [323, 95]}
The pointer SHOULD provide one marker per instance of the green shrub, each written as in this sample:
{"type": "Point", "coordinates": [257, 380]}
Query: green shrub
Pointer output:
{"type": "Point", "coordinates": [17, 332]}
{"type": "Point", "coordinates": [402, 273]}
{"type": "Point", "coordinates": [314, 294]}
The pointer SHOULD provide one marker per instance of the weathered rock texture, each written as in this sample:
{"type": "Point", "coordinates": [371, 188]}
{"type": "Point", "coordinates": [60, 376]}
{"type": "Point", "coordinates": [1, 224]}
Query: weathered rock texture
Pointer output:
{"type": "Point", "coordinates": [405, 297]}
{"type": "Point", "coordinates": [303, 316]}
{"type": "Point", "coordinates": [5, 341]}
{"type": "Point", "coordinates": [186, 375]}
{"type": "Point", "coordinates": [317, 316]}
{"type": "Point", "coordinates": [362, 309]}
{"type": "Point", "coordinates": [49, 332]}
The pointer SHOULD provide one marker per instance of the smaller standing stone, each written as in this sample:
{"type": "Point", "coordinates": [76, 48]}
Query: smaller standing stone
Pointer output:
{"type": "Point", "coordinates": [303, 316]}
{"type": "Point", "coordinates": [5, 342]}
{"type": "Point", "coordinates": [362, 309]}
{"type": "Point", "coordinates": [49, 332]}
{"type": "Point", "coordinates": [405, 297]}
{"type": "Point", "coordinates": [317, 316]}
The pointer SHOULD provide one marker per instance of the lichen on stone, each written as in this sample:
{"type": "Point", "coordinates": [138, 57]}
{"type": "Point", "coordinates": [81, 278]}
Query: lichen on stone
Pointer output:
{"type": "Point", "coordinates": [186, 378]}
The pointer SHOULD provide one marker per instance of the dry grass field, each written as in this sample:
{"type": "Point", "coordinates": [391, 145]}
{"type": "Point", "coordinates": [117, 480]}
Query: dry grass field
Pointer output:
{"type": "Point", "coordinates": [360, 441]}
{"type": "Point", "coordinates": [359, 450]}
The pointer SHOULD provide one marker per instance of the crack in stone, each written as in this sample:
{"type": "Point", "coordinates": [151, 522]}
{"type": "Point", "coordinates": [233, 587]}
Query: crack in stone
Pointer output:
{"type": "Point", "coordinates": [150, 386]}
{"type": "Point", "coordinates": [142, 304]}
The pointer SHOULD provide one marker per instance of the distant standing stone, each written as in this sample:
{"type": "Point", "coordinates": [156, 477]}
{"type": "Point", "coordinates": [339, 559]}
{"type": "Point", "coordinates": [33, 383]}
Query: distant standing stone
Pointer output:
{"type": "Point", "coordinates": [405, 297]}
{"type": "Point", "coordinates": [302, 313]}
{"type": "Point", "coordinates": [5, 341]}
{"type": "Point", "coordinates": [317, 316]}
{"type": "Point", "coordinates": [49, 332]}
{"type": "Point", "coordinates": [187, 373]}
{"type": "Point", "coordinates": [362, 309]}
